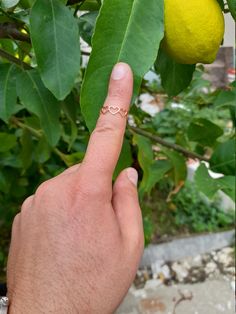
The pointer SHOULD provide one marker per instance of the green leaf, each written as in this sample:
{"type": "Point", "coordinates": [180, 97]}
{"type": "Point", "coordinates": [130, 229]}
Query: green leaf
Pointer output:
{"type": "Point", "coordinates": [125, 159]}
{"type": "Point", "coordinates": [90, 5]}
{"type": "Point", "coordinates": [43, 151]}
{"type": "Point", "coordinates": [38, 100]}
{"type": "Point", "coordinates": [10, 160]}
{"type": "Point", "coordinates": [7, 142]}
{"type": "Point", "coordinates": [7, 91]}
{"type": "Point", "coordinates": [227, 185]}
{"type": "Point", "coordinates": [7, 45]}
{"type": "Point", "coordinates": [204, 182]}
{"type": "Point", "coordinates": [149, 229]}
{"type": "Point", "coordinates": [145, 158]}
{"type": "Point", "coordinates": [179, 172]}
{"type": "Point", "coordinates": [204, 132]}
{"type": "Point", "coordinates": [127, 32]}
{"type": "Point", "coordinates": [145, 152]}
{"type": "Point", "coordinates": [221, 3]}
{"type": "Point", "coordinates": [33, 122]}
{"type": "Point", "coordinates": [232, 8]}
{"type": "Point", "coordinates": [55, 38]}
{"type": "Point", "coordinates": [153, 170]}
{"type": "Point", "coordinates": [175, 77]}
{"type": "Point", "coordinates": [86, 25]}
{"type": "Point", "coordinates": [26, 3]}
{"type": "Point", "coordinates": [70, 107]}
{"type": "Point", "coordinates": [26, 151]}
{"type": "Point", "coordinates": [223, 158]}
{"type": "Point", "coordinates": [209, 186]}
{"type": "Point", "coordinates": [7, 4]}
{"type": "Point", "coordinates": [232, 110]}
{"type": "Point", "coordinates": [156, 172]}
{"type": "Point", "coordinates": [4, 183]}
{"type": "Point", "coordinates": [225, 98]}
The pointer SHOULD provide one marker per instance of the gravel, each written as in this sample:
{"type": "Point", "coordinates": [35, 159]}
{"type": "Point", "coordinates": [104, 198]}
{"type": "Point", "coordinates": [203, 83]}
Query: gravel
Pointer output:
{"type": "Point", "coordinates": [189, 270]}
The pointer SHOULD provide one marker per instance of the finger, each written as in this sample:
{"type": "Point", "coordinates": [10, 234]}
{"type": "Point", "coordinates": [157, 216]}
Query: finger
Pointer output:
{"type": "Point", "coordinates": [106, 140]}
{"type": "Point", "coordinates": [126, 206]}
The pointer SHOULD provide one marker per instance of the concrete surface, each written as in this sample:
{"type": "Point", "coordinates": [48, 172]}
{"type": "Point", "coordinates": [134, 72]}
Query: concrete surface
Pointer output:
{"type": "Point", "coordinates": [210, 297]}
{"type": "Point", "coordinates": [181, 248]}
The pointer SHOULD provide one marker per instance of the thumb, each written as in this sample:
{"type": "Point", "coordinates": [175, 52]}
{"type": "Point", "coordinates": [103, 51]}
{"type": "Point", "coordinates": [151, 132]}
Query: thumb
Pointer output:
{"type": "Point", "coordinates": [126, 206]}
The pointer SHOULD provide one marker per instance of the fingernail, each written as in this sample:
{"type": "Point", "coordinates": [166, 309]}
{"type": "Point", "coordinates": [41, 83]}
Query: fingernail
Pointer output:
{"type": "Point", "coordinates": [119, 71]}
{"type": "Point", "coordinates": [132, 175]}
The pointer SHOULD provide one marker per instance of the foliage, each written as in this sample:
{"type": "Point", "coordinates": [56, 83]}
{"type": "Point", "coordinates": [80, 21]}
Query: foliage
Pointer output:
{"type": "Point", "coordinates": [138, 50]}
{"type": "Point", "coordinates": [49, 102]}
{"type": "Point", "coordinates": [187, 212]}
{"type": "Point", "coordinates": [196, 213]}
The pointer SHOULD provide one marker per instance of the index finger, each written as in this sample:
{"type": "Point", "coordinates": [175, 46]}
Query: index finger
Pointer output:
{"type": "Point", "coordinates": [106, 140]}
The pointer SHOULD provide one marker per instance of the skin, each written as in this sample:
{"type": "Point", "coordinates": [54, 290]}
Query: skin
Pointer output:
{"type": "Point", "coordinates": [77, 242]}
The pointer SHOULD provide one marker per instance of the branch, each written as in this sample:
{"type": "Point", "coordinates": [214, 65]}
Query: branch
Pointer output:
{"type": "Point", "coordinates": [176, 147]}
{"type": "Point", "coordinates": [12, 59]}
{"type": "Point", "coordinates": [18, 123]}
{"type": "Point", "coordinates": [39, 134]}
{"type": "Point", "coordinates": [10, 30]}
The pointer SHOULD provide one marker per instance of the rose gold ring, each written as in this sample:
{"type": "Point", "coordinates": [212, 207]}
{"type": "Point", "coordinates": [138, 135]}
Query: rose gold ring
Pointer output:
{"type": "Point", "coordinates": [114, 110]}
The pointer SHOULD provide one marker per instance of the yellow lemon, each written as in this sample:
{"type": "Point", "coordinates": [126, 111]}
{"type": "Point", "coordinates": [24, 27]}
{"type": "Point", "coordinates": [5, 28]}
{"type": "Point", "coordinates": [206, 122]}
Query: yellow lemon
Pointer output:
{"type": "Point", "coordinates": [194, 30]}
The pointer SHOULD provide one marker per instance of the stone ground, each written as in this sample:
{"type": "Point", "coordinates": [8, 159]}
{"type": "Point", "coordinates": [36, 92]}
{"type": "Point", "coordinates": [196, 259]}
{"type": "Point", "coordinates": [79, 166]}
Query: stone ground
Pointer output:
{"type": "Point", "coordinates": [202, 284]}
{"type": "Point", "coordinates": [210, 297]}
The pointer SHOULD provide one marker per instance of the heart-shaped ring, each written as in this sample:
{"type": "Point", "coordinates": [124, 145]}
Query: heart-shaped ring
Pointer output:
{"type": "Point", "coordinates": [114, 110]}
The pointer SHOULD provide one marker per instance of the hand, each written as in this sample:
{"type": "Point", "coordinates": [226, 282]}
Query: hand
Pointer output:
{"type": "Point", "coordinates": [77, 242]}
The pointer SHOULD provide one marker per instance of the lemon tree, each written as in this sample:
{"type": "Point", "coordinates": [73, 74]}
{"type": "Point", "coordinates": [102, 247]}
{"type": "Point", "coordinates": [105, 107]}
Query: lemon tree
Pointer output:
{"type": "Point", "coordinates": [50, 99]}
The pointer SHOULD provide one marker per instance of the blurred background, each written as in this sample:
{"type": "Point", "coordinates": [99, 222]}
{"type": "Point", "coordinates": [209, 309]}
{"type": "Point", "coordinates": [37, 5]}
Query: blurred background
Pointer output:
{"type": "Point", "coordinates": [188, 266]}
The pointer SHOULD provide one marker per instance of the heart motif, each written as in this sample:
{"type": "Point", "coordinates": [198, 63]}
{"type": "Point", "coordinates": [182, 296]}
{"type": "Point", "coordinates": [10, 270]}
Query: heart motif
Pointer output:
{"type": "Point", "coordinates": [113, 110]}
{"type": "Point", "coordinates": [104, 110]}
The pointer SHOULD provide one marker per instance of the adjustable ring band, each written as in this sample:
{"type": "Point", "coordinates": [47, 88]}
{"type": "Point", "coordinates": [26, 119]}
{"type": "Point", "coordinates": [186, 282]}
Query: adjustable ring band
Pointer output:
{"type": "Point", "coordinates": [114, 110]}
{"type": "Point", "coordinates": [4, 302]}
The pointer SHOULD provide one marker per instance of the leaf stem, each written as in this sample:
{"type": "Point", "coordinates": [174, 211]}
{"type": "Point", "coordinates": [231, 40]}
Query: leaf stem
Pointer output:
{"type": "Point", "coordinates": [162, 142]}
{"type": "Point", "coordinates": [39, 134]}
{"type": "Point", "coordinates": [21, 125]}
{"type": "Point", "coordinates": [4, 54]}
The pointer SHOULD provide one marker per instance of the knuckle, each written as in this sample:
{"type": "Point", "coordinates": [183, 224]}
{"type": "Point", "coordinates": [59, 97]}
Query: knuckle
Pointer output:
{"type": "Point", "coordinates": [27, 202]}
{"type": "Point", "coordinates": [15, 223]}
{"type": "Point", "coordinates": [43, 190]}
{"type": "Point", "coordinates": [104, 128]}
